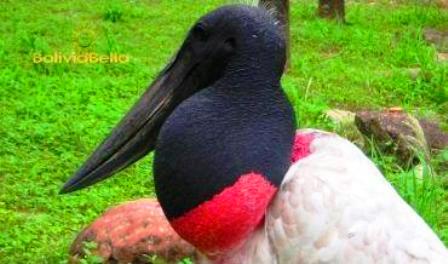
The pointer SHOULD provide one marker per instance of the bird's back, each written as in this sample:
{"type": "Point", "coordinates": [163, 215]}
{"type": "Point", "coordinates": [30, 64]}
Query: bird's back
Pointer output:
{"type": "Point", "coordinates": [335, 206]}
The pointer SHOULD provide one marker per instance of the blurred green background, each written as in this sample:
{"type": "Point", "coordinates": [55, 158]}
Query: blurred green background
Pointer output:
{"type": "Point", "coordinates": [53, 115]}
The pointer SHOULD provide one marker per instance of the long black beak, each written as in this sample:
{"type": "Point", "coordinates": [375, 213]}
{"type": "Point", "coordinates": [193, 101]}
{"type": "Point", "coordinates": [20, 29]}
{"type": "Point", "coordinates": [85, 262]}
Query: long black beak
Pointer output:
{"type": "Point", "coordinates": [137, 132]}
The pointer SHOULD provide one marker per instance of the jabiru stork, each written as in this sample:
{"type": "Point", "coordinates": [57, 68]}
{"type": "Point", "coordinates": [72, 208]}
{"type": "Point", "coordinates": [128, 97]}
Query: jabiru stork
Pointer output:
{"type": "Point", "coordinates": [234, 178]}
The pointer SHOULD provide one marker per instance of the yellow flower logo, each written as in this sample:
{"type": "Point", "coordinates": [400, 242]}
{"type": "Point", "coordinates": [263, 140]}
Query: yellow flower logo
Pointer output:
{"type": "Point", "coordinates": [84, 37]}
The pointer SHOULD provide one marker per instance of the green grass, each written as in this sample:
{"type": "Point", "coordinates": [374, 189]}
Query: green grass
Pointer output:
{"type": "Point", "coordinates": [53, 115]}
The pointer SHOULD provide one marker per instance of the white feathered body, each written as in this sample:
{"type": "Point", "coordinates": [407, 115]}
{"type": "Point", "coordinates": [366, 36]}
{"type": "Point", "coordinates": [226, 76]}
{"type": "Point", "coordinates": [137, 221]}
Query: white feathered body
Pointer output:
{"type": "Point", "coordinates": [335, 206]}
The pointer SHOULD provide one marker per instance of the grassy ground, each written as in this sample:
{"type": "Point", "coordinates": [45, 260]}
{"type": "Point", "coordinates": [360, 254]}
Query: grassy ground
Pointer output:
{"type": "Point", "coordinates": [53, 115]}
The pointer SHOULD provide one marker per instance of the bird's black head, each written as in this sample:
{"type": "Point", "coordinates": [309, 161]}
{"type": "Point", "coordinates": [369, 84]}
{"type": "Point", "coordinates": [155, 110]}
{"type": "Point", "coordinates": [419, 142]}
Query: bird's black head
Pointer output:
{"type": "Point", "coordinates": [229, 40]}
{"type": "Point", "coordinates": [236, 36]}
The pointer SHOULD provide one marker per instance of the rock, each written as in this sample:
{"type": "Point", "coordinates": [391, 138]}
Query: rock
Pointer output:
{"type": "Point", "coordinates": [133, 232]}
{"type": "Point", "coordinates": [443, 3]}
{"type": "Point", "coordinates": [414, 73]}
{"type": "Point", "coordinates": [395, 132]}
{"type": "Point", "coordinates": [436, 138]}
{"type": "Point", "coordinates": [436, 37]}
{"type": "Point", "coordinates": [345, 125]}
{"type": "Point", "coordinates": [340, 116]}
{"type": "Point", "coordinates": [442, 56]}
{"type": "Point", "coordinates": [417, 73]}
{"type": "Point", "coordinates": [401, 133]}
{"type": "Point", "coordinates": [439, 39]}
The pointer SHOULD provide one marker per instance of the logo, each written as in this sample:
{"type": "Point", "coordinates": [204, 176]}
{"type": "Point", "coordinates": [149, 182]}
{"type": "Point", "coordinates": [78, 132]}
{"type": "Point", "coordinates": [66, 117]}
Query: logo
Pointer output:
{"type": "Point", "coordinates": [84, 38]}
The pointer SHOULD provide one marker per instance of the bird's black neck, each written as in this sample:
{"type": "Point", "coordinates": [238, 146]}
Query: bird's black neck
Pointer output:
{"type": "Point", "coordinates": [241, 124]}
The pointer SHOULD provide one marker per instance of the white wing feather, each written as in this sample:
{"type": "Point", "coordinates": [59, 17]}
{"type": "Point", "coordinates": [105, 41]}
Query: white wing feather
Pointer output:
{"type": "Point", "coordinates": [335, 206]}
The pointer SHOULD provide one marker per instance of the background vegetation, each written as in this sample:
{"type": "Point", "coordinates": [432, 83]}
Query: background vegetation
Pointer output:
{"type": "Point", "coordinates": [53, 115]}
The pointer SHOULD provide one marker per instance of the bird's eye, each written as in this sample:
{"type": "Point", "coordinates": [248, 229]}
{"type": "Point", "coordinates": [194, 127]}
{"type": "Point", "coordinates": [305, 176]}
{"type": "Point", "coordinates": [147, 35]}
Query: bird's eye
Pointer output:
{"type": "Point", "coordinates": [200, 32]}
{"type": "Point", "coordinates": [230, 44]}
